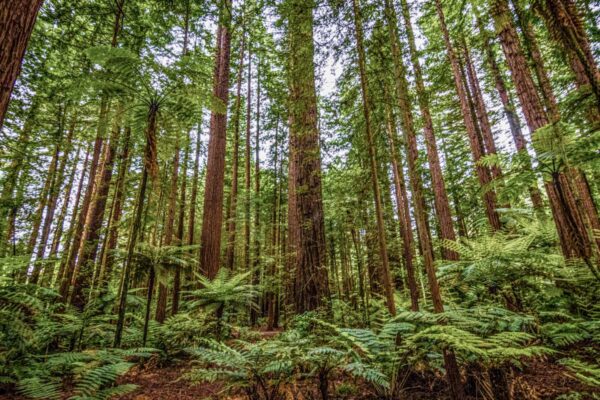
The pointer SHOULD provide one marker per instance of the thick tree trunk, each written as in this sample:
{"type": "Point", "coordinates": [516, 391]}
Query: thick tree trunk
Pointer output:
{"type": "Point", "coordinates": [306, 219]}
{"type": "Point", "coordinates": [381, 238]}
{"type": "Point", "coordinates": [213, 195]}
{"type": "Point", "coordinates": [16, 25]}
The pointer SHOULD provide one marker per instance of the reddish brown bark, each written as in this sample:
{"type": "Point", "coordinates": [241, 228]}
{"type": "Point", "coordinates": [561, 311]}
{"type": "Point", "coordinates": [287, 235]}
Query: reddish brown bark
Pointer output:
{"type": "Point", "coordinates": [213, 193]}
{"type": "Point", "coordinates": [68, 241]}
{"type": "Point", "coordinates": [442, 204]}
{"type": "Point", "coordinates": [509, 111]}
{"type": "Point", "coordinates": [70, 259]}
{"type": "Point", "coordinates": [565, 24]}
{"type": "Point", "coordinates": [16, 25]}
{"type": "Point", "coordinates": [194, 193]}
{"type": "Point", "coordinates": [161, 301]}
{"type": "Point", "coordinates": [489, 197]}
{"type": "Point", "coordinates": [306, 218]}
{"type": "Point", "coordinates": [570, 209]}
{"type": "Point", "coordinates": [90, 241]}
{"type": "Point", "coordinates": [52, 202]}
{"type": "Point", "coordinates": [247, 158]}
{"type": "Point", "coordinates": [366, 105]}
{"type": "Point", "coordinates": [537, 62]}
{"type": "Point", "coordinates": [480, 111]}
{"type": "Point", "coordinates": [108, 257]}
{"type": "Point", "coordinates": [48, 273]}
{"type": "Point", "coordinates": [232, 210]}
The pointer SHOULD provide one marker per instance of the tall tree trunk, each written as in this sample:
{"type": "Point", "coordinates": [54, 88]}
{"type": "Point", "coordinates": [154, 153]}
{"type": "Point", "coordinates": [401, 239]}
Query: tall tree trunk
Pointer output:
{"type": "Point", "coordinates": [150, 152]}
{"type": "Point", "coordinates": [15, 172]}
{"type": "Point", "coordinates": [70, 259]}
{"type": "Point", "coordinates": [305, 199]}
{"type": "Point", "coordinates": [385, 270]}
{"type": "Point", "coordinates": [68, 242]}
{"type": "Point", "coordinates": [404, 221]}
{"type": "Point", "coordinates": [537, 62]}
{"type": "Point", "coordinates": [232, 211]}
{"type": "Point", "coordinates": [89, 247]}
{"type": "Point", "coordinates": [44, 200]}
{"type": "Point", "coordinates": [480, 110]}
{"type": "Point", "coordinates": [247, 177]}
{"type": "Point", "coordinates": [46, 193]}
{"type": "Point", "coordinates": [256, 264]}
{"type": "Point", "coordinates": [16, 25]}
{"type": "Point", "coordinates": [569, 213]}
{"type": "Point", "coordinates": [565, 24]}
{"type": "Point", "coordinates": [161, 301]}
{"type": "Point", "coordinates": [509, 111]}
{"type": "Point", "coordinates": [52, 201]}
{"type": "Point", "coordinates": [194, 193]}
{"type": "Point", "coordinates": [108, 257]}
{"type": "Point", "coordinates": [58, 230]}
{"type": "Point", "coordinates": [180, 227]}
{"type": "Point", "coordinates": [271, 292]}
{"type": "Point", "coordinates": [483, 174]}
{"type": "Point", "coordinates": [440, 196]}
{"type": "Point", "coordinates": [213, 194]}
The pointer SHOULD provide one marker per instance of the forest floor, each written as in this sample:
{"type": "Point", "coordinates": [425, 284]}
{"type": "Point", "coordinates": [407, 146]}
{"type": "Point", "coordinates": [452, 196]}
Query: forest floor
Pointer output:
{"type": "Point", "coordinates": [539, 380]}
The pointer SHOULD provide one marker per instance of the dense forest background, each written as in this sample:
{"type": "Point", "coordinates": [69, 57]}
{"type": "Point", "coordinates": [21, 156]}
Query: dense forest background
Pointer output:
{"type": "Point", "coordinates": [297, 199]}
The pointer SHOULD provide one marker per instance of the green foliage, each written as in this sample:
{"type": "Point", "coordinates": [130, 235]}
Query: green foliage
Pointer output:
{"type": "Point", "coordinates": [224, 291]}
{"type": "Point", "coordinates": [93, 374]}
{"type": "Point", "coordinates": [586, 373]}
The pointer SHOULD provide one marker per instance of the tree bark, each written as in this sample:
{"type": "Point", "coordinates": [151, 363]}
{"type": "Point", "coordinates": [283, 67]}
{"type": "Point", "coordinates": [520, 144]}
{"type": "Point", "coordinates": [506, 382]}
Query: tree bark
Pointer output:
{"type": "Point", "coordinates": [381, 238]}
{"type": "Point", "coordinates": [489, 197]}
{"type": "Point", "coordinates": [161, 301]}
{"type": "Point", "coordinates": [151, 129]}
{"type": "Point", "coordinates": [232, 211]}
{"type": "Point", "coordinates": [90, 240]}
{"type": "Point", "coordinates": [70, 259]}
{"type": "Point", "coordinates": [509, 111]}
{"type": "Point", "coordinates": [442, 204]}
{"type": "Point", "coordinates": [305, 199]}
{"type": "Point", "coordinates": [16, 25]}
{"type": "Point", "coordinates": [213, 194]}
{"type": "Point", "coordinates": [112, 236]}
{"type": "Point", "coordinates": [571, 217]}
{"type": "Point", "coordinates": [68, 242]}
